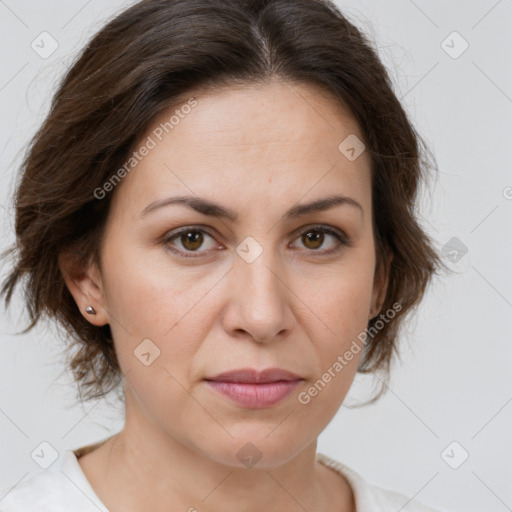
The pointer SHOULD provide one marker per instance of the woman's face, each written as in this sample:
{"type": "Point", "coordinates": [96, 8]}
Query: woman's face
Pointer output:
{"type": "Point", "coordinates": [258, 288]}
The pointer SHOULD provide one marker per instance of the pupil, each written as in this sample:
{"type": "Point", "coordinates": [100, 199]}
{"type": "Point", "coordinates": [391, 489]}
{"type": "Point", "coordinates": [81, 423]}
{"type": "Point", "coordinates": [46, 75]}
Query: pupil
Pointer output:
{"type": "Point", "coordinates": [314, 237]}
{"type": "Point", "coordinates": [193, 240]}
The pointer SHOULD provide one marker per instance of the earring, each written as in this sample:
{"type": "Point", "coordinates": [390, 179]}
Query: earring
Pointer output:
{"type": "Point", "coordinates": [90, 310]}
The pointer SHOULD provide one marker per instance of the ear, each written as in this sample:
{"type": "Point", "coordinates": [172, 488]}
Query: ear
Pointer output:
{"type": "Point", "coordinates": [85, 284]}
{"type": "Point", "coordinates": [380, 283]}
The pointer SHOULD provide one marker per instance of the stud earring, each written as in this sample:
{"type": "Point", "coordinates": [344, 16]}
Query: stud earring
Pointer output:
{"type": "Point", "coordinates": [90, 310]}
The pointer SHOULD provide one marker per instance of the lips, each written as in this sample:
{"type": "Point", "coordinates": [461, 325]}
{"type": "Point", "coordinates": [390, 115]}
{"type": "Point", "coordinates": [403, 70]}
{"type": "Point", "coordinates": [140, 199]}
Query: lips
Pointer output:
{"type": "Point", "coordinates": [255, 389]}
{"type": "Point", "coordinates": [250, 376]}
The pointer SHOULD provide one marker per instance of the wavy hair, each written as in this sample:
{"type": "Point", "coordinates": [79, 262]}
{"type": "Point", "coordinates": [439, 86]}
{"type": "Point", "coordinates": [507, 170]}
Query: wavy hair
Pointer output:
{"type": "Point", "coordinates": [141, 63]}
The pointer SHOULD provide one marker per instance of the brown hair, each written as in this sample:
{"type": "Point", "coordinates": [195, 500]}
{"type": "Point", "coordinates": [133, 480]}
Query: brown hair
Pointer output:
{"type": "Point", "coordinates": [139, 64]}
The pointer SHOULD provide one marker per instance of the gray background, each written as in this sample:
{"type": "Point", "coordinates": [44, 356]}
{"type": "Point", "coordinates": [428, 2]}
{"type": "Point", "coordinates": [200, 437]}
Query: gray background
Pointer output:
{"type": "Point", "coordinates": [453, 383]}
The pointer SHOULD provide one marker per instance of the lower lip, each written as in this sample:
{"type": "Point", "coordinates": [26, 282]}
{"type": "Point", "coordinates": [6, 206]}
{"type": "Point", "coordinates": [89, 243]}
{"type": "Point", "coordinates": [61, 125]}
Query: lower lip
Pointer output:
{"type": "Point", "coordinates": [255, 396]}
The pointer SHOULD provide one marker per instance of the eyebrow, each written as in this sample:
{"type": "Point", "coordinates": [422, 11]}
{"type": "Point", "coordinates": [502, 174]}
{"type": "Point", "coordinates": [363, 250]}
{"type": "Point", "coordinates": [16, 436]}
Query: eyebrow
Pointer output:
{"type": "Point", "coordinates": [212, 209]}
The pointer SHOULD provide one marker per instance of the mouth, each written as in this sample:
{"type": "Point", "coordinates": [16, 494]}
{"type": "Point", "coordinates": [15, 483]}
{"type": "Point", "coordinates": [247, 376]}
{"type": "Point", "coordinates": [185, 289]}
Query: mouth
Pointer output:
{"type": "Point", "coordinates": [255, 389]}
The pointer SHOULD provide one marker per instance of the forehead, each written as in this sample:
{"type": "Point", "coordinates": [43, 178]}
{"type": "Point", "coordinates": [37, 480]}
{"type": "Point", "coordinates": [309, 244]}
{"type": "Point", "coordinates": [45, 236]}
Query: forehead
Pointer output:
{"type": "Point", "coordinates": [241, 143]}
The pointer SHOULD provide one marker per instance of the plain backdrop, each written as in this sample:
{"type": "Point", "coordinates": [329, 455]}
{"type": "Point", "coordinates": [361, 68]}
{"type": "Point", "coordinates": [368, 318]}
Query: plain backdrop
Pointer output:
{"type": "Point", "coordinates": [450, 397]}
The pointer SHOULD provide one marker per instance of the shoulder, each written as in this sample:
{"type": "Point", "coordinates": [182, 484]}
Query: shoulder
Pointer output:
{"type": "Point", "coordinates": [370, 498]}
{"type": "Point", "coordinates": [60, 488]}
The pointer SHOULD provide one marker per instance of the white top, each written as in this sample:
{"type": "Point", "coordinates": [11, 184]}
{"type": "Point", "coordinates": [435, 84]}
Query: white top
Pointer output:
{"type": "Point", "coordinates": [63, 487]}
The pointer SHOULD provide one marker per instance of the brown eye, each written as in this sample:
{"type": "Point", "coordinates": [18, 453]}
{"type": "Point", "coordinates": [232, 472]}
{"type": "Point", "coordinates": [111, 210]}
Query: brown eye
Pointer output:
{"type": "Point", "coordinates": [313, 239]}
{"type": "Point", "coordinates": [187, 242]}
{"type": "Point", "coordinates": [191, 240]}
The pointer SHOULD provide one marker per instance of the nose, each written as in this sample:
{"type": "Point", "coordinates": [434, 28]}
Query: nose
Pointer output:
{"type": "Point", "coordinates": [259, 301]}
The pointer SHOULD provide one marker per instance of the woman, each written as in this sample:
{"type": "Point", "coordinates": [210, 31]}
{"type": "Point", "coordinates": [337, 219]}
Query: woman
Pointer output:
{"type": "Point", "coordinates": [219, 210]}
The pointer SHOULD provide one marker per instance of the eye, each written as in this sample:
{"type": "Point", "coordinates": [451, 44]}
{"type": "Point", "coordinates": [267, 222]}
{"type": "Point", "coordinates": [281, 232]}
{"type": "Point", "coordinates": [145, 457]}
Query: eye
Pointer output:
{"type": "Point", "coordinates": [314, 238]}
{"type": "Point", "coordinates": [187, 241]}
{"type": "Point", "coordinates": [190, 239]}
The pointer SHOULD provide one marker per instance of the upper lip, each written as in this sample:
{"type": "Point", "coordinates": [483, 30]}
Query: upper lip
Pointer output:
{"type": "Point", "coordinates": [251, 376]}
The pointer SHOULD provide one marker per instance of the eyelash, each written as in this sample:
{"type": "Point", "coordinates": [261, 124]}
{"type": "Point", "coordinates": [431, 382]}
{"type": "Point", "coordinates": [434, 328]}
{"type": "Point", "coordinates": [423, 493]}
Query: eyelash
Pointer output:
{"type": "Point", "coordinates": [341, 238]}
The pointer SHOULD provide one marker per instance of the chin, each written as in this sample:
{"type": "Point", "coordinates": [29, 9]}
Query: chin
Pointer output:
{"type": "Point", "coordinates": [256, 446]}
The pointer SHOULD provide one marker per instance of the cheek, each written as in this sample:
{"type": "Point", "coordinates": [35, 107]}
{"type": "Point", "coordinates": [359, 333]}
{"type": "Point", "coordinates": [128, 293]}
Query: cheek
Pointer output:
{"type": "Point", "coordinates": [343, 306]}
{"type": "Point", "coordinates": [344, 309]}
{"type": "Point", "coordinates": [163, 395]}
{"type": "Point", "coordinates": [343, 301]}
{"type": "Point", "coordinates": [158, 366]}
{"type": "Point", "coordinates": [158, 321]}
{"type": "Point", "coordinates": [147, 295]}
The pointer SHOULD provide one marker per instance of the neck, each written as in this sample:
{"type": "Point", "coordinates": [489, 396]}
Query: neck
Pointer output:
{"type": "Point", "coordinates": [144, 468]}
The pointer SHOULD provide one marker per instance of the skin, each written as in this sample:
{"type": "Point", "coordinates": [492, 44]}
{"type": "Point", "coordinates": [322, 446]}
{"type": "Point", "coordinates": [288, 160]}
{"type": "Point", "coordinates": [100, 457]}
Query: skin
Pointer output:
{"type": "Point", "coordinates": [258, 150]}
